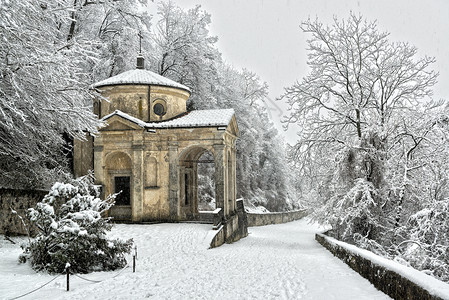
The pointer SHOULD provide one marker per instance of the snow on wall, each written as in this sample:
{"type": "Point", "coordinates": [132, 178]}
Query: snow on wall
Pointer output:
{"type": "Point", "coordinates": [394, 279]}
{"type": "Point", "coordinates": [262, 219]}
{"type": "Point", "coordinates": [232, 229]}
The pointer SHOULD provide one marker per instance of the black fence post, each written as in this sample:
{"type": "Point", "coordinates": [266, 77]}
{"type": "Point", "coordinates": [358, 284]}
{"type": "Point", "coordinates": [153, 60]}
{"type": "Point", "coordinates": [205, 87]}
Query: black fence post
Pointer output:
{"type": "Point", "coordinates": [68, 278]}
{"type": "Point", "coordinates": [134, 263]}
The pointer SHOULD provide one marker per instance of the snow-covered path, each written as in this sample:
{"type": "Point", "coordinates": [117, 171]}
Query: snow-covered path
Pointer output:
{"type": "Point", "coordinates": [273, 262]}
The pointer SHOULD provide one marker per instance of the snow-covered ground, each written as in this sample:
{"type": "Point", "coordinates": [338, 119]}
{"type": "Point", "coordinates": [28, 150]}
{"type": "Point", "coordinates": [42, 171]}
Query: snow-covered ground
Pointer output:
{"type": "Point", "coordinates": [174, 262]}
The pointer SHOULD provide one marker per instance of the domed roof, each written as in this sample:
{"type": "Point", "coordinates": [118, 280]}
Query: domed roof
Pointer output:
{"type": "Point", "coordinates": [140, 76]}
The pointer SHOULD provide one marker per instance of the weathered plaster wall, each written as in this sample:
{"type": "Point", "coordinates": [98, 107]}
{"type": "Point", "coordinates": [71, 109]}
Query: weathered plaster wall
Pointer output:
{"type": "Point", "coordinates": [83, 155]}
{"type": "Point", "coordinates": [138, 101]}
{"type": "Point", "coordinates": [130, 99]}
{"type": "Point", "coordinates": [275, 218]}
{"type": "Point", "coordinates": [388, 281]}
{"type": "Point", "coordinates": [160, 158]}
{"type": "Point", "coordinates": [154, 198]}
{"type": "Point", "coordinates": [174, 99]}
{"type": "Point", "coordinates": [20, 201]}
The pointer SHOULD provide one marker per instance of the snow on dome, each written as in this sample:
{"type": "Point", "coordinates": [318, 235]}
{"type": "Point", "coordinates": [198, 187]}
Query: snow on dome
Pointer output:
{"type": "Point", "coordinates": [139, 76]}
{"type": "Point", "coordinates": [196, 118]}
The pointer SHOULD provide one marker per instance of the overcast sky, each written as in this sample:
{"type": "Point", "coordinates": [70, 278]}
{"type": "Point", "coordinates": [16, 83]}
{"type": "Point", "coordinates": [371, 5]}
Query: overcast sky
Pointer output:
{"type": "Point", "coordinates": [264, 36]}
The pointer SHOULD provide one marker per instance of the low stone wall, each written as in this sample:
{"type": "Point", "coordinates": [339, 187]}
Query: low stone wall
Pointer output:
{"type": "Point", "coordinates": [206, 217]}
{"type": "Point", "coordinates": [20, 201]}
{"type": "Point", "coordinates": [275, 218]}
{"type": "Point", "coordinates": [232, 229]}
{"type": "Point", "coordinates": [390, 282]}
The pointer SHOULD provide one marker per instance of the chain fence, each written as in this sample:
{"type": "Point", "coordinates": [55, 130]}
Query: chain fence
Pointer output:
{"type": "Point", "coordinates": [80, 277]}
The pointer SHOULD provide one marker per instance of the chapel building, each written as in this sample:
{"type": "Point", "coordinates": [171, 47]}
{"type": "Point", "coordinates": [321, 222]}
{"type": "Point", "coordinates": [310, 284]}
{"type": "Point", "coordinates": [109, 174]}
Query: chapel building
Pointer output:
{"type": "Point", "coordinates": [150, 145]}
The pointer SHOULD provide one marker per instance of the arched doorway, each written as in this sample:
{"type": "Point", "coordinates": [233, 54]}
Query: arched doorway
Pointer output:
{"type": "Point", "coordinates": [119, 181]}
{"type": "Point", "coordinates": [197, 183]}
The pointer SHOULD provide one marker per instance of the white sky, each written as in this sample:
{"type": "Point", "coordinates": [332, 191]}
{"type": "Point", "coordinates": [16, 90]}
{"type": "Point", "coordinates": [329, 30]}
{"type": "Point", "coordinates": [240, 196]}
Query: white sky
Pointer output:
{"type": "Point", "coordinates": [264, 36]}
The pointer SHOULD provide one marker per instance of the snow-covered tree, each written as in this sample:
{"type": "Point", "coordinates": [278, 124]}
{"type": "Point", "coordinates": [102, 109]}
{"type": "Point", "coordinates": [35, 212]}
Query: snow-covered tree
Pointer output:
{"type": "Point", "coordinates": [51, 53]}
{"type": "Point", "coordinates": [114, 27]}
{"type": "Point", "coordinates": [185, 52]}
{"type": "Point", "coordinates": [356, 102]}
{"type": "Point", "coordinates": [372, 143]}
{"type": "Point", "coordinates": [72, 229]}
{"type": "Point", "coordinates": [428, 246]}
{"type": "Point", "coordinates": [43, 92]}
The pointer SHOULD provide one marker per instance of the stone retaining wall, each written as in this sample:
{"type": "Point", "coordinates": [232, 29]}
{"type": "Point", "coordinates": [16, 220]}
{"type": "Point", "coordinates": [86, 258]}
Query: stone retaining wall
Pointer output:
{"type": "Point", "coordinates": [232, 229]}
{"type": "Point", "coordinates": [20, 201]}
{"type": "Point", "coordinates": [385, 280]}
{"type": "Point", "coordinates": [275, 218]}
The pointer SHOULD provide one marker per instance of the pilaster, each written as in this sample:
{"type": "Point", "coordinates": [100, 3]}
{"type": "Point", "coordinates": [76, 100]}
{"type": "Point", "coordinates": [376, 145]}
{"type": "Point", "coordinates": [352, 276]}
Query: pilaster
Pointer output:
{"type": "Point", "coordinates": [137, 181]}
{"type": "Point", "coordinates": [220, 172]}
{"type": "Point", "coordinates": [173, 181]}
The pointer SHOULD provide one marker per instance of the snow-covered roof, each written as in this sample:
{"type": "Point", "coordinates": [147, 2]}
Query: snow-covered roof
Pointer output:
{"type": "Point", "coordinates": [140, 76]}
{"type": "Point", "coordinates": [196, 118]}
{"type": "Point", "coordinates": [125, 116]}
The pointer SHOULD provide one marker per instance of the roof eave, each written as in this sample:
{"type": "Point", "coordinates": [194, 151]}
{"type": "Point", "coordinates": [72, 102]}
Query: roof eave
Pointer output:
{"type": "Point", "coordinates": [99, 86]}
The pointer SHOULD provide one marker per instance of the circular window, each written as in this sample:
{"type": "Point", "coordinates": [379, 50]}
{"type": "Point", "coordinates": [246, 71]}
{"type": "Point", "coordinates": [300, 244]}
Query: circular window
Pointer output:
{"type": "Point", "coordinates": [159, 109]}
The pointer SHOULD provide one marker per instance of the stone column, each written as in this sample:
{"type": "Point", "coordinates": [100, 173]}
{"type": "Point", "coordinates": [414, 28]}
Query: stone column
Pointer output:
{"type": "Point", "coordinates": [232, 180]}
{"type": "Point", "coordinates": [220, 176]}
{"type": "Point", "coordinates": [173, 181]}
{"type": "Point", "coordinates": [195, 188]}
{"type": "Point", "coordinates": [137, 182]}
{"type": "Point", "coordinates": [99, 165]}
{"type": "Point", "coordinates": [234, 176]}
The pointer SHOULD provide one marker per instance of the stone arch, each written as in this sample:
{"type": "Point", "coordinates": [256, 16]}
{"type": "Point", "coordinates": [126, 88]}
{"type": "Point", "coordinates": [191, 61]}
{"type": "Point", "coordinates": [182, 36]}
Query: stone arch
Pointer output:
{"type": "Point", "coordinates": [194, 151]}
{"type": "Point", "coordinates": [188, 180]}
{"type": "Point", "coordinates": [118, 160]}
{"type": "Point", "coordinates": [118, 169]}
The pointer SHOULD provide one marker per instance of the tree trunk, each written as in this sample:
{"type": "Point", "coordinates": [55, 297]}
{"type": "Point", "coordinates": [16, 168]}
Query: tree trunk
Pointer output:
{"type": "Point", "coordinates": [73, 22]}
{"type": "Point", "coordinates": [359, 127]}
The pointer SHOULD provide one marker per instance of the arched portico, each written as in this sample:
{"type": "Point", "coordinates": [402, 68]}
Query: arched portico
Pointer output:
{"type": "Point", "coordinates": [184, 178]}
{"type": "Point", "coordinates": [188, 181]}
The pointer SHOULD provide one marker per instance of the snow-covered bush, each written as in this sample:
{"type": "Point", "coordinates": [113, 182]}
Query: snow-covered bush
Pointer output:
{"type": "Point", "coordinates": [428, 247]}
{"type": "Point", "coordinates": [72, 230]}
{"type": "Point", "coordinates": [352, 214]}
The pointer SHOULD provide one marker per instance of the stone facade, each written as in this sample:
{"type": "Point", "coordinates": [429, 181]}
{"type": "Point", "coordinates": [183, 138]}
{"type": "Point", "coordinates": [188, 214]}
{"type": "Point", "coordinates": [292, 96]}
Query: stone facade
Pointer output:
{"type": "Point", "coordinates": [151, 146]}
{"type": "Point", "coordinates": [137, 101]}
